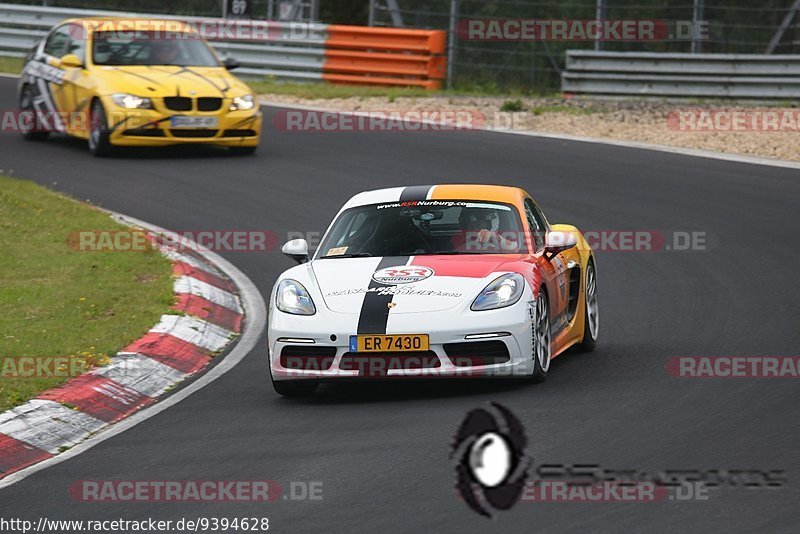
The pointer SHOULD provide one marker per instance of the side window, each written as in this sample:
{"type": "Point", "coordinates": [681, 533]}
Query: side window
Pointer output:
{"type": "Point", "coordinates": [536, 223]}
{"type": "Point", "coordinates": [77, 42]}
{"type": "Point", "coordinates": [57, 44]}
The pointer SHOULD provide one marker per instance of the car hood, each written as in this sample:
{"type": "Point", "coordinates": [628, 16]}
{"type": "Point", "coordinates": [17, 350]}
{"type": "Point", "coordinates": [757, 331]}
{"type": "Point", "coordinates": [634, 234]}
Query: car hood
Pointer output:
{"type": "Point", "coordinates": [423, 284]}
{"type": "Point", "coordinates": [162, 81]}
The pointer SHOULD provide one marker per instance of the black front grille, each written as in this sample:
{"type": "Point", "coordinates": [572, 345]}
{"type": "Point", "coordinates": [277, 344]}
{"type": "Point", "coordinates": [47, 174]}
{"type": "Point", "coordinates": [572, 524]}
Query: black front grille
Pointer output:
{"type": "Point", "coordinates": [205, 103]}
{"type": "Point", "coordinates": [307, 358]}
{"type": "Point", "coordinates": [178, 103]}
{"type": "Point", "coordinates": [193, 133]}
{"type": "Point", "coordinates": [477, 353]}
{"type": "Point", "coordinates": [141, 132]}
{"type": "Point", "coordinates": [239, 133]}
{"type": "Point", "coordinates": [379, 363]}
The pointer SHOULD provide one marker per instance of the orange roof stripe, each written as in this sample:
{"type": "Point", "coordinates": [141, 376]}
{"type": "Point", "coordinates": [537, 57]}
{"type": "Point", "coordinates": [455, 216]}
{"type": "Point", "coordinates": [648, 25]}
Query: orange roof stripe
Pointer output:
{"type": "Point", "coordinates": [496, 193]}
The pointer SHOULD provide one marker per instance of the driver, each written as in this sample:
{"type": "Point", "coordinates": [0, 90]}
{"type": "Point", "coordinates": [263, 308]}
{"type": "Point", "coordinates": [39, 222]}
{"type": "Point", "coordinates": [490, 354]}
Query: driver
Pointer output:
{"type": "Point", "coordinates": [479, 232]}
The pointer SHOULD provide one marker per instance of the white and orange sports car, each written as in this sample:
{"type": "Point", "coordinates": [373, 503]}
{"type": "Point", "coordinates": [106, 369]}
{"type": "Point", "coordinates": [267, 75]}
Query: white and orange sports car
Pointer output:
{"type": "Point", "coordinates": [432, 281]}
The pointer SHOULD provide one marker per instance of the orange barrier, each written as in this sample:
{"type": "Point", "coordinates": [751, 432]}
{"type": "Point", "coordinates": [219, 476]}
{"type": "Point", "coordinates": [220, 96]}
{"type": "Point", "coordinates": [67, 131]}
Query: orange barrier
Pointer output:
{"type": "Point", "coordinates": [385, 56]}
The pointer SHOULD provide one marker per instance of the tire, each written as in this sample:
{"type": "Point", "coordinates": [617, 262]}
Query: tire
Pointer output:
{"type": "Point", "coordinates": [591, 315]}
{"type": "Point", "coordinates": [243, 150]}
{"type": "Point", "coordinates": [294, 388]}
{"type": "Point", "coordinates": [542, 339]}
{"type": "Point", "coordinates": [26, 105]}
{"type": "Point", "coordinates": [99, 135]}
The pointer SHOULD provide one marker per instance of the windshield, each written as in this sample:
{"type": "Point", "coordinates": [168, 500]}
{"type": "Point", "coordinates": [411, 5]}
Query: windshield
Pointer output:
{"type": "Point", "coordinates": [151, 48]}
{"type": "Point", "coordinates": [425, 227]}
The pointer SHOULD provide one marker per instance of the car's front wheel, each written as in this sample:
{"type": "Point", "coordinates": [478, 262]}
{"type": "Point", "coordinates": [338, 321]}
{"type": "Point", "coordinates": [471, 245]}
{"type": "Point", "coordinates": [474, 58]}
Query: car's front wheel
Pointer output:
{"type": "Point", "coordinates": [294, 388]}
{"type": "Point", "coordinates": [591, 316]}
{"type": "Point", "coordinates": [541, 338]}
{"type": "Point", "coordinates": [99, 134]}
{"type": "Point", "coordinates": [32, 131]}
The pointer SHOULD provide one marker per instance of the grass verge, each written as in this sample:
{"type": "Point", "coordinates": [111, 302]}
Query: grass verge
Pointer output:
{"type": "Point", "coordinates": [56, 302]}
{"type": "Point", "coordinates": [11, 65]}
{"type": "Point", "coordinates": [313, 90]}
{"type": "Point", "coordinates": [318, 90]}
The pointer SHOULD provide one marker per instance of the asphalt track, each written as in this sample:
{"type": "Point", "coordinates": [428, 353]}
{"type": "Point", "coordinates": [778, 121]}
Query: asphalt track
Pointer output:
{"type": "Point", "coordinates": [382, 451]}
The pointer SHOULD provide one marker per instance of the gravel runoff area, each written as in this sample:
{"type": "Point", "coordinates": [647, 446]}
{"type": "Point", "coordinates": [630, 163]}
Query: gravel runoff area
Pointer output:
{"type": "Point", "coordinates": [762, 129]}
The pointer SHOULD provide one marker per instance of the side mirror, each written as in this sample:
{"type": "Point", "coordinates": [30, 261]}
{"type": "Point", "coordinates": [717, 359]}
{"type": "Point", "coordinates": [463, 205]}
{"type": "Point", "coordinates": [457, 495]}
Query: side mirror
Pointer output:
{"type": "Point", "coordinates": [231, 63]}
{"type": "Point", "coordinates": [558, 242]}
{"type": "Point", "coordinates": [71, 61]}
{"type": "Point", "coordinates": [297, 249]}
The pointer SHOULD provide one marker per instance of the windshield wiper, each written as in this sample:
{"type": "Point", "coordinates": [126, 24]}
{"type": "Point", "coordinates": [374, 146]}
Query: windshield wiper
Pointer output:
{"type": "Point", "coordinates": [354, 255]}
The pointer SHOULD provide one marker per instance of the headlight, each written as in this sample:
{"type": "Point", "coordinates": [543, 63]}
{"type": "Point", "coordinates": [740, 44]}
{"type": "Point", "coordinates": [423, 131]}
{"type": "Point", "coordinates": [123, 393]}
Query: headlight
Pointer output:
{"type": "Point", "coordinates": [293, 298]}
{"type": "Point", "coordinates": [131, 101]}
{"type": "Point", "coordinates": [243, 103]}
{"type": "Point", "coordinates": [503, 291]}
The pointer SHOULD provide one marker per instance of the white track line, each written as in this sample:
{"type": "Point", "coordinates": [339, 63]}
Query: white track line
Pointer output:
{"type": "Point", "coordinates": [256, 312]}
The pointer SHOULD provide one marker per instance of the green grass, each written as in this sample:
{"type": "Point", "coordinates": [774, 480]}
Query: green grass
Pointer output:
{"type": "Point", "coordinates": [12, 65]}
{"type": "Point", "coordinates": [512, 106]}
{"type": "Point", "coordinates": [56, 301]}
{"type": "Point", "coordinates": [313, 90]}
{"type": "Point", "coordinates": [329, 90]}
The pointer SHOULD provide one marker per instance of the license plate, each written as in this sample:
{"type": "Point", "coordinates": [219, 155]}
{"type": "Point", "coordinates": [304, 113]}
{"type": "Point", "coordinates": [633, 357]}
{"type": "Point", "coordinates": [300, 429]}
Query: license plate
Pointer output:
{"type": "Point", "coordinates": [389, 342]}
{"type": "Point", "coordinates": [194, 122]}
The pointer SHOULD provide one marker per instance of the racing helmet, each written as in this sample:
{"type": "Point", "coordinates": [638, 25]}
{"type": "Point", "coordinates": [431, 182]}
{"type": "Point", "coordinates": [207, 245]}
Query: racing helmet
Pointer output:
{"type": "Point", "coordinates": [479, 218]}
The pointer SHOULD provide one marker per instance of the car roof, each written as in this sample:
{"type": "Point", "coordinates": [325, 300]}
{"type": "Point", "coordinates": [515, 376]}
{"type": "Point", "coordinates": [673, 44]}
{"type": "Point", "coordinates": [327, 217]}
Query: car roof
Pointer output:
{"type": "Point", "coordinates": [489, 193]}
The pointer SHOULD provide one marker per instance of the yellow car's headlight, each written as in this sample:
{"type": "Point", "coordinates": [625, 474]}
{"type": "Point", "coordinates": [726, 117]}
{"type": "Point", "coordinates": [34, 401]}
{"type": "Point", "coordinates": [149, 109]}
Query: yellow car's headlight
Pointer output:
{"type": "Point", "coordinates": [127, 101]}
{"type": "Point", "coordinates": [243, 103]}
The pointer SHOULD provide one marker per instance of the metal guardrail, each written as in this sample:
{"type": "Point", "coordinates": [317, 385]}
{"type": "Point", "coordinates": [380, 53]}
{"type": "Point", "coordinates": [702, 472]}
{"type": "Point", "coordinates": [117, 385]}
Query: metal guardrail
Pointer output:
{"type": "Point", "coordinates": [293, 50]}
{"type": "Point", "coordinates": [682, 75]}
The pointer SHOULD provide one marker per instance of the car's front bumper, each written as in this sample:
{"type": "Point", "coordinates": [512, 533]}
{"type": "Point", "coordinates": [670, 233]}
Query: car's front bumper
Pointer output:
{"type": "Point", "coordinates": [331, 332]}
{"type": "Point", "coordinates": [152, 127]}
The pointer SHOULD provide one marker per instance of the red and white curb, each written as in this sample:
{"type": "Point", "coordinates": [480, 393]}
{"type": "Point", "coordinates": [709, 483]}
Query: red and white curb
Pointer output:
{"type": "Point", "coordinates": [208, 317]}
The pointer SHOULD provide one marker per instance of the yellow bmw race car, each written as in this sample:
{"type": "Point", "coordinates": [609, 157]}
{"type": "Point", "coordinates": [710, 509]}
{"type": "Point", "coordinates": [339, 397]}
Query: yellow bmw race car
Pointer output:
{"type": "Point", "coordinates": [135, 82]}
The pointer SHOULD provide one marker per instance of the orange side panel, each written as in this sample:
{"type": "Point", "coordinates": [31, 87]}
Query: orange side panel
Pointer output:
{"type": "Point", "coordinates": [348, 61]}
{"type": "Point", "coordinates": [398, 39]}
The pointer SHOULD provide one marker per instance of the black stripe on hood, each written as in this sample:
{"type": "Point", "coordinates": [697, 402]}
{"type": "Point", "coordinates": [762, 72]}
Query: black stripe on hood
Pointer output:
{"type": "Point", "coordinates": [375, 308]}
